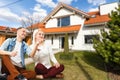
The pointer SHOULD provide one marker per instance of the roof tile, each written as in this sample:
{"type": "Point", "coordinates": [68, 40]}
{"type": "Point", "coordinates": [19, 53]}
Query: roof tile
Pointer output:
{"type": "Point", "coordinates": [97, 19]}
{"type": "Point", "coordinates": [62, 29]}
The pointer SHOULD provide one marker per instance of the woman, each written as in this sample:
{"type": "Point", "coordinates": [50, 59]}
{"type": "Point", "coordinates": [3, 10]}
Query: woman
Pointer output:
{"type": "Point", "coordinates": [44, 56]}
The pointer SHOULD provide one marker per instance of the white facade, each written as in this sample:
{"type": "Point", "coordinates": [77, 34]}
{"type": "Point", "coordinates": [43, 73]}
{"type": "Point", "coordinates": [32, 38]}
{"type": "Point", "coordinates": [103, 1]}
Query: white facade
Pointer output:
{"type": "Point", "coordinates": [107, 8]}
{"type": "Point", "coordinates": [53, 21]}
{"type": "Point", "coordinates": [76, 19]}
{"type": "Point", "coordinates": [56, 40]}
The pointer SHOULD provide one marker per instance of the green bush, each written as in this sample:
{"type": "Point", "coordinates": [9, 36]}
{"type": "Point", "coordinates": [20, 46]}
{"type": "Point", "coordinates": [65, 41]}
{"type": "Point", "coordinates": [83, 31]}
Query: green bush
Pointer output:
{"type": "Point", "coordinates": [108, 44]}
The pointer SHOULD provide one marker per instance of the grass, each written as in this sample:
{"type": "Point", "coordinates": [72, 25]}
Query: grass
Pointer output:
{"type": "Point", "coordinates": [84, 66]}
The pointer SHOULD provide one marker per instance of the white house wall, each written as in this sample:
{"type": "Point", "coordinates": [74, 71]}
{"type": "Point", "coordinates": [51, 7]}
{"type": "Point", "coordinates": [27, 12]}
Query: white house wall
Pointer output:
{"type": "Point", "coordinates": [55, 43]}
{"type": "Point", "coordinates": [63, 12]}
{"type": "Point", "coordinates": [107, 8]}
{"type": "Point", "coordinates": [53, 21]}
{"type": "Point", "coordinates": [80, 41]}
{"type": "Point", "coordinates": [76, 19]}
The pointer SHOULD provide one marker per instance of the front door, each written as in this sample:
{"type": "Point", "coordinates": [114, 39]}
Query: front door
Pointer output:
{"type": "Point", "coordinates": [62, 42]}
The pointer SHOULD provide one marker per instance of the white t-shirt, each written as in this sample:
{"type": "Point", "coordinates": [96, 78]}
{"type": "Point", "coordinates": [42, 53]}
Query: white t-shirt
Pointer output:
{"type": "Point", "coordinates": [16, 60]}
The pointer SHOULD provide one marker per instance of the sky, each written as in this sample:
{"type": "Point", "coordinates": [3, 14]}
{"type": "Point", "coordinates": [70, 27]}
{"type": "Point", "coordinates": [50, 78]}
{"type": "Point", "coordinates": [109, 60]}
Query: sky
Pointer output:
{"type": "Point", "coordinates": [13, 12]}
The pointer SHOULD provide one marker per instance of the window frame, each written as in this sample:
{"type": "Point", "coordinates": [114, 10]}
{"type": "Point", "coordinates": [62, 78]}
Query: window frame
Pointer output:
{"type": "Point", "coordinates": [62, 21]}
{"type": "Point", "coordinates": [88, 39]}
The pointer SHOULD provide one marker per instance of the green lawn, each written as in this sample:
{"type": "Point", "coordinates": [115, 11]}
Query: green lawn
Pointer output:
{"type": "Point", "coordinates": [84, 66]}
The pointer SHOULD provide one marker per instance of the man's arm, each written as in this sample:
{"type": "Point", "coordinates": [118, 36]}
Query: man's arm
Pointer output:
{"type": "Point", "coordinates": [13, 53]}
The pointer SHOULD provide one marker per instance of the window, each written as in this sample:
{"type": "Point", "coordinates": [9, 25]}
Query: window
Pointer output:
{"type": "Point", "coordinates": [89, 39]}
{"type": "Point", "coordinates": [72, 40]}
{"type": "Point", "coordinates": [51, 40]}
{"type": "Point", "coordinates": [64, 21]}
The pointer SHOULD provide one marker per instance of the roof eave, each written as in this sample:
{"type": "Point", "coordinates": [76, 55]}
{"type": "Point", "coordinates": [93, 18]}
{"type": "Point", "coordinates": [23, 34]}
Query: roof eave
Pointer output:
{"type": "Point", "coordinates": [61, 32]}
{"type": "Point", "coordinates": [61, 5]}
{"type": "Point", "coordinates": [94, 24]}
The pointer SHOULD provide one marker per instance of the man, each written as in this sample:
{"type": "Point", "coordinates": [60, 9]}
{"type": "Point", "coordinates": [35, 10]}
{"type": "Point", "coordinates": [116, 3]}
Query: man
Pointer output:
{"type": "Point", "coordinates": [4, 76]}
{"type": "Point", "coordinates": [14, 66]}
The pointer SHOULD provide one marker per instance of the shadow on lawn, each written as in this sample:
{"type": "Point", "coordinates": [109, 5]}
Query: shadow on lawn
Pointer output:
{"type": "Point", "coordinates": [94, 60]}
{"type": "Point", "coordinates": [82, 68]}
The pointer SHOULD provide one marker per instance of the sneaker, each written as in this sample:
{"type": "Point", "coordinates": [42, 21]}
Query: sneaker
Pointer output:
{"type": "Point", "coordinates": [3, 76]}
{"type": "Point", "coordinates": [20, 77]}
{"type": "Point", "coordinates": [59, 75]}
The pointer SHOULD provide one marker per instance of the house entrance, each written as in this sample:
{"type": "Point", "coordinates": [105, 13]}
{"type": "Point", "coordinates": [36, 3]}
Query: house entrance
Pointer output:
{"type": "Point", "coordinates": [62, 42]}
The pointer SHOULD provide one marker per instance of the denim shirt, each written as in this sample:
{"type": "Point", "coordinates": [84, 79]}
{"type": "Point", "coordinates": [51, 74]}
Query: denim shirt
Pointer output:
{"type": "Point", "coordinates": [9, 44]}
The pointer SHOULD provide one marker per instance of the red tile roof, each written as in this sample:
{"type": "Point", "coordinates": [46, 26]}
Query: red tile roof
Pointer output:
{"type": "Point", "coordinates": [97, 18]}
{"type": "Point", "coordinates": [62, 29]}
{"type": "Point", "coordinates": [4, 28]}
{"type": "Point", "coordinates": [93, 20]}
{"type": "Point", "coordinates": [13, 29]}
{"type": "Point", "coordinates": [37, 25]}
{"type": "Point", "coordinates": [94, 13]}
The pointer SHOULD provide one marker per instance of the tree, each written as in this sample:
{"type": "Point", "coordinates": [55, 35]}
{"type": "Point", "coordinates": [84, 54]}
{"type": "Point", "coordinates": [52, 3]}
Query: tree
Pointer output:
{"type": "Point", "coordinates": [28, 20]}
{"type": "Point", "coordinates": [66, 44]}
{"type": "Point", "coordinates": [66, 55]}
{"type": "Point", "coordinates": [108, 44]}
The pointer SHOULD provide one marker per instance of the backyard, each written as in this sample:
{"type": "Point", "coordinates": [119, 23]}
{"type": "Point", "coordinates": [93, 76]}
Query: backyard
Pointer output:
{"type": "Point", "coordinates": [83, 66]}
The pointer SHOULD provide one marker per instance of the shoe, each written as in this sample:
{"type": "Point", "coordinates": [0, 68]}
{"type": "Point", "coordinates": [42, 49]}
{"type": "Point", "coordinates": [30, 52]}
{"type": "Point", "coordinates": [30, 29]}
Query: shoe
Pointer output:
{"type": "Point", "coordinates": [59, 75]}
{"type": "Point", "coordinates": [20, 77]}
{"type": "Point", "coordinates": [3, 76]}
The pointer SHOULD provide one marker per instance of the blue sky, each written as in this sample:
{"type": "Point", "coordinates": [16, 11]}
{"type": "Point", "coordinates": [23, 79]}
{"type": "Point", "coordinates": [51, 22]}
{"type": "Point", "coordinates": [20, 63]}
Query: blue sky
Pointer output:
{"type": "Point", "coordinates": [13, 11]}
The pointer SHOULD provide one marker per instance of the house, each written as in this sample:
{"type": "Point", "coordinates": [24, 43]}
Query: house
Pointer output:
{"type": "Point", "coordinates": [7, 32]}
{"type": "Point", "coordinates": [81, 26]}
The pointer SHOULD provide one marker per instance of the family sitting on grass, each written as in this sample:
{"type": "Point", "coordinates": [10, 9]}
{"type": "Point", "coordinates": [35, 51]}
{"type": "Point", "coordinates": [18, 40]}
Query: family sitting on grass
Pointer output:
{"type": "Point", "coordinates": [13, 52]}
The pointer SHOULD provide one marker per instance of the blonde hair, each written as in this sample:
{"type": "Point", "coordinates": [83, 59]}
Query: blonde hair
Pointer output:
{"type": "Point", "coordinates": [34, 34]}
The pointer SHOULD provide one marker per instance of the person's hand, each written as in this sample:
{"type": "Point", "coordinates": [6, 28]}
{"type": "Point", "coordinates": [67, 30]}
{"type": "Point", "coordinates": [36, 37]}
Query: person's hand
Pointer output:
{"type": "Point", "coordinates": [13, 53]}
{"type": "Point", "coordinates": [39, 41]}
{"type": "Point", "coordinates": [57, 65]}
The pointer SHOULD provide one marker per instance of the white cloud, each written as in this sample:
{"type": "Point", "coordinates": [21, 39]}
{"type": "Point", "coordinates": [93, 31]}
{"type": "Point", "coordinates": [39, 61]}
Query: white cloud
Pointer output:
{"type": "Point", "coordinates": [7, 15]}
{"type": "Point", "coordinates": [25, 16]}
{"type": "Point", "coordinates": [66, 1]}
{"type": "Point", "coordinates": [25, 13]}
{"type": "Point", "coordinates": [48, 3]}
{"type": "Point", "coordinates": [96, 2]}
{"type": "Point", "coordinates": [36, 16]}
{"type": "Point", "coordinates": [39, 12]}
{"type": "Point", "coordinates": [93, 9]}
